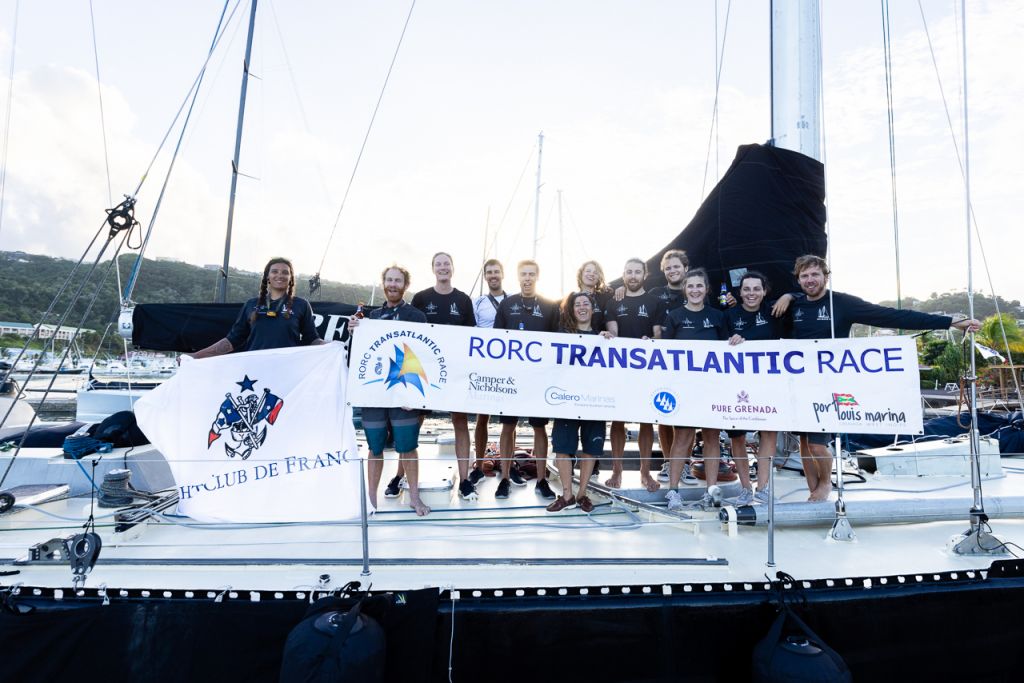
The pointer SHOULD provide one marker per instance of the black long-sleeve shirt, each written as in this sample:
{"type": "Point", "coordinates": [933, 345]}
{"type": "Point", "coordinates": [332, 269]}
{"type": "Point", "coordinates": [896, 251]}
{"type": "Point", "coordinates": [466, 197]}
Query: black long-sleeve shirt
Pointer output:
{"type": "Point", "coordinates": [813, 319]}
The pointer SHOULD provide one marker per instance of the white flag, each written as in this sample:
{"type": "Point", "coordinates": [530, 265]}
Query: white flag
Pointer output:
{"type": "Point", "coordinates": [264, 436]}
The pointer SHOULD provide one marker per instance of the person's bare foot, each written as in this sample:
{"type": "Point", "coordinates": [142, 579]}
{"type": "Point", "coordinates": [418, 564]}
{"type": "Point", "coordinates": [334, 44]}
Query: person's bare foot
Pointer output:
{"type": "Point", "coordinates": [418, 505]}
{"type": "Point", "coordinates": [615, 481]}
{"type": "Point", "coordinates": [822, 492]}
{"type": "Point", "coordinates": [650, 483]}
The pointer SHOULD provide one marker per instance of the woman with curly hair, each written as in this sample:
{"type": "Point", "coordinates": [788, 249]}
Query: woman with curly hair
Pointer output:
{"type": "Point", "coordinates": [590, 279]}
{"type": "Point", "coordinates": [568, 435]}
{"type": "Point", "coordinates": [275, 319]}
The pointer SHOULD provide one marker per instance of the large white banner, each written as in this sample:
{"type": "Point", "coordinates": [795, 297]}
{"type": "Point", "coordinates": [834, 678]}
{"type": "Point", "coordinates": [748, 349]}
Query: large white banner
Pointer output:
{"type": "Point", "coordinates": [868, 385]}
{"type": "Point", "coordinates": [264, 436]}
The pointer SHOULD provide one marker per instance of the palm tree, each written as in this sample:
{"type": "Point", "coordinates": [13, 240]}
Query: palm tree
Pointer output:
{"type": "Point", "coordinates": [991, 335]}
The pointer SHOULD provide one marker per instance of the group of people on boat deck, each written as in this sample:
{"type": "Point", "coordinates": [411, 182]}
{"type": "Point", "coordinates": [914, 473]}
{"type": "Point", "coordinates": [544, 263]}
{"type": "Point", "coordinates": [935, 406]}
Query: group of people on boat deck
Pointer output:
{"type": "Point", "coordinates": [678, 310]}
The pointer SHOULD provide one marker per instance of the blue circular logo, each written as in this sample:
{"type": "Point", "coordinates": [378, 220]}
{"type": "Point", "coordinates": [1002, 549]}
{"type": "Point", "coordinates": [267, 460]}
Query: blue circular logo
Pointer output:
{"type": "Point", "coordinates": [664, 402]}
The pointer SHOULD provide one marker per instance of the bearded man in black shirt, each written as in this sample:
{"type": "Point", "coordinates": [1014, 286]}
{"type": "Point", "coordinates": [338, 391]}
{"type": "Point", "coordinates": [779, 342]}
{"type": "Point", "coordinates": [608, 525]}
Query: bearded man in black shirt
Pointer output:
{"type": "Point", "coordinates": [637, 316]}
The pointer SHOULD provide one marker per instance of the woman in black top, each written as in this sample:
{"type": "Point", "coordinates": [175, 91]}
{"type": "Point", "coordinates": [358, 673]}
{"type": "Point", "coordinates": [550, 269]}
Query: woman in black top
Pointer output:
{"type": "Point", "coordinates": [694, 321]}
{"type": "Point", "coordinates": [273, 320]}
{"type": "Point", "coordinates": [567, 435]}
{"type": "Point", "coordinates": [752, 320]}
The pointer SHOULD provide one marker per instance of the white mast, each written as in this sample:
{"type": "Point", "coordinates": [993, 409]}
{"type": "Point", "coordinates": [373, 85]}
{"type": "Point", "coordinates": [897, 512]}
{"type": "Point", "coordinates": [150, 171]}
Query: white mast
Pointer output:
{"type": "Point", "coordinates": [536, 206]}
{"type": "Point", "coordinates": [796, 82]}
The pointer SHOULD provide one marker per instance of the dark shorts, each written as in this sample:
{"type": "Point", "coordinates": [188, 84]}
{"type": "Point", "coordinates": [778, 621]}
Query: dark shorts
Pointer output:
{"type": "Point", "coordinates": [534, 421]}
{"type": "Point", "coordinates": [816, 438]}
{"type": "Point", "coordinates": [567, 435]}
{"type": "Point", "coordinates": [735, 433]}
{"type": "Point", "coordinates": [405, 427]}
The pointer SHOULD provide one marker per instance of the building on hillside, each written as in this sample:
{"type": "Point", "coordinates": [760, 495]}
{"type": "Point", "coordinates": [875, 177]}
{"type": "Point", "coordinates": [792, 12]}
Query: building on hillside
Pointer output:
{"type": "Point", "coordinates": [64, 333]}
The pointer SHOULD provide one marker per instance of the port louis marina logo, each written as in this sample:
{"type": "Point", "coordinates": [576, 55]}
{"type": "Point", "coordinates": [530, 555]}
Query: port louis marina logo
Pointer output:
{"type": "Point", "coordinates": [746, 406]}
{"type": "Point", "coordinates": [410, 356]}
{"type": "Point", "coordinates": [245, 417]}
{"type": "Point", "coordinates": [847, 408]}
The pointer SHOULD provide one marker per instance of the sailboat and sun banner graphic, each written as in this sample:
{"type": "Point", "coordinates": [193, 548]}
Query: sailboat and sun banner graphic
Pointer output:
{"type": "Point", "coordinates": [264, 436]}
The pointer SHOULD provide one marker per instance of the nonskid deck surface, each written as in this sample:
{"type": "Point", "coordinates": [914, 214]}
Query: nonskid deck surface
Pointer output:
{"type": "Point", "coordinates": [491, 544]}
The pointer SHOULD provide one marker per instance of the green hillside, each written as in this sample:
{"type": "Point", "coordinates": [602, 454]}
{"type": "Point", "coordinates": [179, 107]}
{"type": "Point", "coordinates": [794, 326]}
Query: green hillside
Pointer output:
{"type": "Point", "coordinates": [30, 282]}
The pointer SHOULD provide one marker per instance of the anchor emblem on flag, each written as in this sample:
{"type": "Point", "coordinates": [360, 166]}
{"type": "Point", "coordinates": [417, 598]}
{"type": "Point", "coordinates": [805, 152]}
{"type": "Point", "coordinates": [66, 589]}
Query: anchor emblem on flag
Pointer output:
{"type": "Point", "coordinates": [245, 418]}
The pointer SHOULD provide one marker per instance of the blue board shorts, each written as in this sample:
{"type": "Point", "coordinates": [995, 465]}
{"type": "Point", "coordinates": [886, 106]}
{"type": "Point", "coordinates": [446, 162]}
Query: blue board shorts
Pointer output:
{"type": "Point", "coordinates": [405, 428]}
{"type": "Point", "coordinates": [817, 438]}
{"type": "Point", "coordinates": [568, 434]}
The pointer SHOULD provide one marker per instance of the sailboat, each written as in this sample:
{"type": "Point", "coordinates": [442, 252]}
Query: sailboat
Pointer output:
{"type": "Point", "coordinates": [630, 591]}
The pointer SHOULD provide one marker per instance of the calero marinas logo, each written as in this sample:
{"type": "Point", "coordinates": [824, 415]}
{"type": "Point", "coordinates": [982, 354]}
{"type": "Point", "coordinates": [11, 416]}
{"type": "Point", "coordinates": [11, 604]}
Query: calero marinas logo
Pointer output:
{"type": "Point", "coordinates": [245, 417]}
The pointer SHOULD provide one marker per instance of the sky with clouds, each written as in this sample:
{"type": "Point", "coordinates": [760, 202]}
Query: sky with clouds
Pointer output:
{"type": "Point", "coordinates": [623, 91]}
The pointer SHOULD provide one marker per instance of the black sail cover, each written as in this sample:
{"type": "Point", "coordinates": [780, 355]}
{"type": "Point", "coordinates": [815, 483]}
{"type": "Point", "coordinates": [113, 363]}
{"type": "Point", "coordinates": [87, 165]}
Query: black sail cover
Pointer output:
{"type": "Point", "coordinates": [190, 327]}
{"type": "Point", "coordinates": [768, 209]}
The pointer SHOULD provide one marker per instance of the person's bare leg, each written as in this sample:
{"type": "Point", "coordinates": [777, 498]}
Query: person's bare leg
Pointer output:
{"type": "Point", "coordinates": [618, 439]}
{"type": "Point", "coordinates": [682, 445]}
{"type": "Point", "coordinates": [507, 446]}
{"type": "Point", "coordinates": [712, 454]}
{"type": "Point", "coordinates": [646, 443]}
{"type": "Point", "coordinates": [461, 426]}
{"type": "Point", "coordinates": [564, 464]}
{"type": "Point", "coordinates": [665, 435]}
{"type": "Point", "coordinates": [810, 468]}
{"type": "Point", "coordinates": [480, 435]}
{"type": "Point", "coordinates": [586, 469]}
{"type": "Point", "coordinates": [540, 451]}
{"type": "Point", "coordinates": [823, 462]}
{"type": "Point", "coordinates": [739, 454]}
{"type": "Point", "coordinates": [766, 444]}
{"type": "Point", "coordinates": [374, 468]}
{"type": "Point", "coordinates": [412, 476]}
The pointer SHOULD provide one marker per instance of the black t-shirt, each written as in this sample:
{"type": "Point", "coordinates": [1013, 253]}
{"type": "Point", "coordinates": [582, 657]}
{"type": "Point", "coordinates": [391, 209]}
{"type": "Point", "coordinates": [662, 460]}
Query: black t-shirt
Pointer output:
{"type": "Point", "coordinates": [601, 301]}
{"type": "Point", "coordinates": [402, 311]}
{"type": "Point", "coordinates": [635, 316]}
{"type": "Point", "coordinates": [813, 320]}
{"type": "Point", "coordinates": [535, 314]}
{"type": "Point", "coordinates": [275, 326]}
{"type": "Point", "coordinates": [708, 324]}
{"type": "Point", "coordinates": [670, 299]}
{"type": "Point", "coordinates": [454, 308]}
{"type": "Point", "coordinates": [753, 325]}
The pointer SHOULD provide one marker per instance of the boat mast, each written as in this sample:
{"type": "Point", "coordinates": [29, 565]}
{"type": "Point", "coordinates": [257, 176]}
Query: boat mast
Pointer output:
{"type": "Point", "coordinates": [536, 202]}
{"type": "Point", "coordinates": [222, 283]}
{"type": "Point", "coordinates": [796, 76]}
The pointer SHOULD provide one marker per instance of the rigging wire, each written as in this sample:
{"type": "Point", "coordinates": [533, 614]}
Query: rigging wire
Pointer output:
{"type": "Point", "coordinates": [489, 247]}
{"type": "Point", "coordinates": [366, 137]}
{"type": "Point", "coordinates": [74, 337]}
{"type": "Point", "coordinates": [7, 114]}
{"type": "Point", "coordinates": [103, 123]}
{"type": "Point", "coordinates": [193, 94]}
{"type": "Point", "coordinates": [887, 56]}
{"type": "Point", "coordinates": [719, 61]}
{"type": "Point", "coordinates": [974, 218]}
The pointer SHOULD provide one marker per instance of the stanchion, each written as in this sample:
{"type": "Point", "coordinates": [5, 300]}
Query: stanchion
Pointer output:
{"type": "Point", "coordinates": [841, 528]}
{"type": "Point", "coordinates": [364, 520]}
{"type": "Point", "coordinates": [771, 506]}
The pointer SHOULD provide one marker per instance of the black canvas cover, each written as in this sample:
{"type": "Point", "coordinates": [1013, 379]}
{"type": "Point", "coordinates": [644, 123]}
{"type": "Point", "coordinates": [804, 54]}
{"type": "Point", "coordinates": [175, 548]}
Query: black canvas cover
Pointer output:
{"type": "Point", "coordinates": [768, 208]}
{"type": "Point", "coordinates": [190, 327]}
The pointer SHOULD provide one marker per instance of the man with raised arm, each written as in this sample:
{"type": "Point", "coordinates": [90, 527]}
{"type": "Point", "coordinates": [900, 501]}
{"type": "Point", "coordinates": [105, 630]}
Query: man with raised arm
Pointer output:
{"type": "Point", "coordinates": [525, 311]}
{"type": "Point", "coordinates": [442, 304]}
{"type": "Point", "coordinates": [405, 424]}
{"type": "Point", "coordinates": [815, 314]}
{"type": "Point", "coordinates": [485, 307]}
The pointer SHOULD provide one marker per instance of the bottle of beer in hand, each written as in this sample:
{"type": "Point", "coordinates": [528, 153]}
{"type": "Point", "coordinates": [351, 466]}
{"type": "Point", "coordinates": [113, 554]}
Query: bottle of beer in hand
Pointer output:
{"type": "Point", "coordinates": [360, 313]}
{"type": "Point", "coordinates": [723, 296]}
